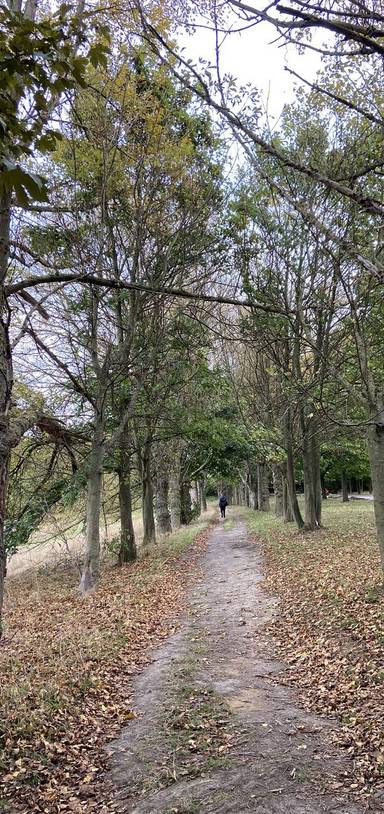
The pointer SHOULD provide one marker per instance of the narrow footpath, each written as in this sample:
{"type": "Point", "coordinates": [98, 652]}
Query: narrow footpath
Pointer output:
{"type": "Point", "coordinates": [215, 730]}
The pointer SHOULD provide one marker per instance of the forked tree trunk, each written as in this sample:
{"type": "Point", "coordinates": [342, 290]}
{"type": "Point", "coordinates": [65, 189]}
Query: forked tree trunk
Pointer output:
{"type": "Point", "coordinates": [149, 529]}
{"type": "Point", "coordinates": [344, 488]}
{"type": "Point", "coordinates": [375, 438]}
{"type": "Point", "coordinates": [163, 516]}
{"type": "Point", "coordinates": [127, 550]}
{"type": "Point", "coordinates": [278, 488]}
{"type": "Point", "coordinates": [91, 566]}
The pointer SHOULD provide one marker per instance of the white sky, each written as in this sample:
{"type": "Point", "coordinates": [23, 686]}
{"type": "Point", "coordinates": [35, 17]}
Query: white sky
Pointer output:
{"type": "Point", "coordinates": [252, 56]}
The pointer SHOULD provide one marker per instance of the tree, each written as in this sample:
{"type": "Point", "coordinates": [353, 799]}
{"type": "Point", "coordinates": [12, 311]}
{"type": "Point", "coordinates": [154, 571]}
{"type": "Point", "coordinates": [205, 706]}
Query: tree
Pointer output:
{"type": "Point", "coordinates": [141, 172]}
{"type": "Point", "coordinates": [39, 61]}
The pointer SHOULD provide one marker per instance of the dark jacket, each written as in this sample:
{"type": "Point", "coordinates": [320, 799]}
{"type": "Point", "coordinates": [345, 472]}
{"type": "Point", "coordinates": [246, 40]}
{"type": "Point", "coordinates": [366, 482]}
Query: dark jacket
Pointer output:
{"type": "Point", "coordinates": [223, 502]}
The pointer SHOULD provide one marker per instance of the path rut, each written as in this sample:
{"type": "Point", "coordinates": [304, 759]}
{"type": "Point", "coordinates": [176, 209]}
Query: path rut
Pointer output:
{"type": "Point", "coordinates": [274, 756]}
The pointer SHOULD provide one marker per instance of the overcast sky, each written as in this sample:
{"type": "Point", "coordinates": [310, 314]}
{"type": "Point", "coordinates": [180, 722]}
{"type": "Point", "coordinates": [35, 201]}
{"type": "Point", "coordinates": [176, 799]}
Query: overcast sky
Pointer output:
{"type": "Point", "coordinates": [252, 56]}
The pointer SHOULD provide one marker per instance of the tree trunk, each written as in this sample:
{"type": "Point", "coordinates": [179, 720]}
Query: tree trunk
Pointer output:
{"type": "Point", "coordinates": [6, 381]}
{"type": "Point", "coordinates": [195, 498]}
{"type": "Point", "coordinates": [4, 459]}
{"type": "Point", "coordinates": [185, 501]}
{"type": "Point", "coordinates": [262, 488]}
{"type": "Point", "coordinates": [247, 493]}
{"type": "Point", "coordinates": [375, 437]}
{"type": "Point", "coordinates": [127, 550]}
{"type": "Point", "coordinates": [278, 489]}
{"type": "Point", "coordinates": [163, 517]}
{"type": "Point", "coordinates": [175, 501]}
{"type": "Point", "coordinates": [252, 484]}
{"type": "Point", "coordinates": [311, 468]}
{"type": "Point", "coordinates": [254, 490]}
{"type": "Point", "coordinates": [287, 510]}
{"type": "Point", "coordinates": [202, 493]}
{"type": "Point", "coordinates": [291, 484]}
{"type": "Point", "coordinates": [91, 567]}
{"type": "Point", "coordinates": [149, 536]}
{"type": "Point", "coordinates": [344, 488]}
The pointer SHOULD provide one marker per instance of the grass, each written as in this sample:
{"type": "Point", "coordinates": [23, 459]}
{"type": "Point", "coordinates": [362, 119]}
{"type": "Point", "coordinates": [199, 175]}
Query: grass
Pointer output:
{"type": "Point", "coordinates": [330, 626]}
{"type": "Point", "coordinates": [66, 664]}
{"type": "Point", "coordinates": [198, 730]}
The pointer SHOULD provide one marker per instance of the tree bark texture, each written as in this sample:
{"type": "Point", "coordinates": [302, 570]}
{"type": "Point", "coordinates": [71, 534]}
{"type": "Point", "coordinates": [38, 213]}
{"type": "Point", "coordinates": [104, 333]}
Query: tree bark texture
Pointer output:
{"type": "Point", "coordinates": [127, 551]}
{"type": "Point", "coordinates": [91, 566]}
{"type": "Point", "coordinates": [6, 381]}
{"type": "Point", "coordinates": [195, 499]}
{"type": "Point", "coordinates": [185, 503]}
{"type": "Point", "coordinates": [375, 437]}
{"type": "Point", "coordinates": [262, 488]}
{"type": "Point", "coordinates": [175, 501]}
{"type": "Point", "coordinates": [202, 493]}
{"type": "Point", "coordinates": [163, 517]}
{"type": "Point", "coordinates": [291, 483]}
{"type": "Point", "coordinates": [149, 536]}
{"type": "Point", "coordinates": [287, 510]}
{"type": "Point", "coordinates": [311, 468]}
{"type": "Point", "coordinates": [278, 489]}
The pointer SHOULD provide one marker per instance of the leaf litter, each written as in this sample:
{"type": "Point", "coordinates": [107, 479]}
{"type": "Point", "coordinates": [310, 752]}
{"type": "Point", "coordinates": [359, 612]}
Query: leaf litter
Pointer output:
{"type": "Point", "coordinates": [330, 628]}
{"type": "Point", "coordinates": [67, 665]}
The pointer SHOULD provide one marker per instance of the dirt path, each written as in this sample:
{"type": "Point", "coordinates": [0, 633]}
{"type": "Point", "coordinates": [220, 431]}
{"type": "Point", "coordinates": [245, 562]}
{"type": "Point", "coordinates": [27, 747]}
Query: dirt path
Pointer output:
{"type": "Point", "coordinates": [215, 731]}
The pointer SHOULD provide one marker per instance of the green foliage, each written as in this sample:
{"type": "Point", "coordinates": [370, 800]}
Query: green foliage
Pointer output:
{"type": "Point", "coordinates": [19, 529]}
{"type": "Point", "coordinates": [39, 60]}
{"type": "Point", "coordinates": [345, 456]}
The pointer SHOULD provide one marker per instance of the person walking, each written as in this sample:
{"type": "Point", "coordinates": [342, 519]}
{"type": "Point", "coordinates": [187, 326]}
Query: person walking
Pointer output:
{"type": "Point", "coordinates": [223, 503]}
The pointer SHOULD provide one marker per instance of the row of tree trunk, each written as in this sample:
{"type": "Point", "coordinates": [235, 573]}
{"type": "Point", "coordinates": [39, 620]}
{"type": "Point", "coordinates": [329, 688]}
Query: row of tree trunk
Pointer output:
{"type": "Point", "coordinates": [254, 488]}
{"type": "Point", "coordinates": [167, 501]}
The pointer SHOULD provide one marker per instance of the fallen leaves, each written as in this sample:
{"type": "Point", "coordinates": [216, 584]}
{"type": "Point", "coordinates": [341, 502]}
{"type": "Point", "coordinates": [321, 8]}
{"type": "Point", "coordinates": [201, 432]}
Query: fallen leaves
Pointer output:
{"type": "Point", "coordinates": [330, 627]}
{"type": "Point", "coordinates": [66, 669]}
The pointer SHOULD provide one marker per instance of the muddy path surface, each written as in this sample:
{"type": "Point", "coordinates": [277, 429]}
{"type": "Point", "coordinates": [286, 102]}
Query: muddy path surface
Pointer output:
{"type": "Point", "coordinates": [215, 730]}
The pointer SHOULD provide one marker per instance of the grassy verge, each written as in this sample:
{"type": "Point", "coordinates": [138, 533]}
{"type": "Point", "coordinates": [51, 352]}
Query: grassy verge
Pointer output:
{"type": "Point", "coordinates": [66, 665]}
{"type": "Point", "coordinates": [330, 626]}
